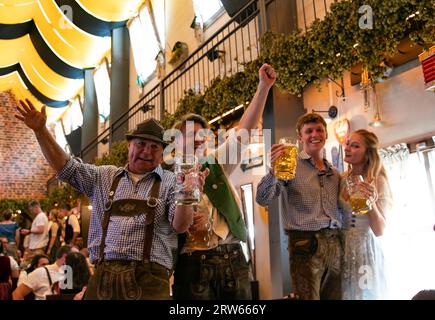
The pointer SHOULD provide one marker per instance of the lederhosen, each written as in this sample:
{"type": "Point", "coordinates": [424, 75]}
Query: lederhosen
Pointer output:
{"type": "Point", "coordinates": [129, 280]}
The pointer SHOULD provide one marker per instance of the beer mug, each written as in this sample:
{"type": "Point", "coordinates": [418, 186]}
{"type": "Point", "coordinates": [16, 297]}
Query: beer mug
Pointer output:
{"type": "Point", "coordinates": [201, 236]}
{"type": "Point", "coordinates": [186, 187]}
{"type": "Point", "coordinates": [285, 165]}
{"type": "Point", "coordinates": [359, 203]}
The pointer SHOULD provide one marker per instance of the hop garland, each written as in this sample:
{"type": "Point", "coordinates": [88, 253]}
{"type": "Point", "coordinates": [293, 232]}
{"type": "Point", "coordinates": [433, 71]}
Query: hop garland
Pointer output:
{"type": "Point", "coordinates": [329, 48]}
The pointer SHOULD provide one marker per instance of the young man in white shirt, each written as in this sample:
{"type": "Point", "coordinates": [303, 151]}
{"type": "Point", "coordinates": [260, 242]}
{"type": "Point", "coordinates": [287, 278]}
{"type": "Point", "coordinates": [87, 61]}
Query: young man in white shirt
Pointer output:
{"type": "Point", "coordinates": [72, 225]}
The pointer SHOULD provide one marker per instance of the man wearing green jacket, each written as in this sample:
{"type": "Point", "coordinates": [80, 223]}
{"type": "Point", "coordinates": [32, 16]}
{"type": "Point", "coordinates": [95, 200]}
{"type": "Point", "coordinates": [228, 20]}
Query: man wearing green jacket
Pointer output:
{"type": "Point", "coordinates": [211, 264]}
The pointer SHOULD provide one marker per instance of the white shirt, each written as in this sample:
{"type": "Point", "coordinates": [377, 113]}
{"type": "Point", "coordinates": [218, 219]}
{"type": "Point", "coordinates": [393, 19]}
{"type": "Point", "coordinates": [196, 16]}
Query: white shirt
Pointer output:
{"type": "Point", "coordinates": [22, 277]}
{"type": "Point", "coordinates": [38, 241]}
{"type": "Point", "coordinates": [39, 283]}
{"type": "Point", "coordinates": [74, 223]}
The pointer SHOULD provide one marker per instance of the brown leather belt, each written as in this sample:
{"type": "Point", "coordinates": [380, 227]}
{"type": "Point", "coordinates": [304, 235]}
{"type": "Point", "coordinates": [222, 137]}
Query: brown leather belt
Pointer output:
{"type": "Point", "coordinates": [325, 232]}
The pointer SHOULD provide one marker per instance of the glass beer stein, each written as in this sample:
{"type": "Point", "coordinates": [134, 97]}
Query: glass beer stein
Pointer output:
{"type": "Point", "coordinates": [359, 203]}
{"type": "Point", "coordinates": [285, 165]}
{"type": "Point", "coordinates": [200, 238]}
{"type": "Point", "coordinates": [186, 188]}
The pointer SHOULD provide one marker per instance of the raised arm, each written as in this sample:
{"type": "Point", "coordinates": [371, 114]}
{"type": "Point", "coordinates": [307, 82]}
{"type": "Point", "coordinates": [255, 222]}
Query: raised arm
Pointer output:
{"type": "Point", "coordinates": [253, 113]}
{"type": "Point", "coordinates": [36, 120]}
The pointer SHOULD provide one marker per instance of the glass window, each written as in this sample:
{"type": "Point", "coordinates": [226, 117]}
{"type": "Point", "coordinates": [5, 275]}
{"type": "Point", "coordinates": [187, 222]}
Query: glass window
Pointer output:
{"type": "Point", "coordinates": [206, 10]}
{"type": "Point", "coordinates": [76, 114]}
{"type": "Point", "coordinates": [73, 117]}
{"type": "Point", "coordinates": [248, 213]}
{"type": "Point", "coordinates": [144, 42]}
{"type": "Point", "coordinates": [102, 88]}
{"type": "Point", "coordinates": [60, 137]}
{"type": "Point", "coordinates": [409, 239]}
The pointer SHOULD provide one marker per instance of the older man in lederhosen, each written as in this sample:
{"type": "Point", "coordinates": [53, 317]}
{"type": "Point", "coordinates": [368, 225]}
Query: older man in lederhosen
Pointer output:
{"type": "Point", "coordinates": [134, 220]}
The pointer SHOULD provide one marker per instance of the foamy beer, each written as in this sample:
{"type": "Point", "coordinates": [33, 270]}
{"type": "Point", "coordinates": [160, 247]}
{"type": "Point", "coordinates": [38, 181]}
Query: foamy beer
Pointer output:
{"type": "Point", "coordinates": [359, 203]}
{"type": "Point", "coordinates": [285, 165]}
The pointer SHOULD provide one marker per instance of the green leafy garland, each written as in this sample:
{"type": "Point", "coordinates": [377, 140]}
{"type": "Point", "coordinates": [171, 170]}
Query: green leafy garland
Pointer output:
{"type": "Point", "coordinates": [64, 194]}
{"type": "Point", "coordinates": [330, 47]}
{"type": "Point", "coordinates": [118, 155]}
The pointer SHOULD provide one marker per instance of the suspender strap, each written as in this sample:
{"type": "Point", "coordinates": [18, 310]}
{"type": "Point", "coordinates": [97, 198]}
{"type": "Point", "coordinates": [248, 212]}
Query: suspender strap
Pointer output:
{"type": "Point", "coordinates": [149, 232]}
{"type": "Point", "coordinates": [50, 282]}
{"type": "Point", "coordinates": [150, 206]}
{"type": "Point", "coordinates": [48, 276]}
{"type": "Point", "coordinates": [106, 215]}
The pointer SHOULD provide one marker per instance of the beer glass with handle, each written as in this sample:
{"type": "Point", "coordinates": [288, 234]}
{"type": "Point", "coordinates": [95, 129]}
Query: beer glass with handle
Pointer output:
{"type": "Point", "coordinates": [186, 189]}
{"type": "Point", "coordinates": [358, 201]}
{"type": "Point", "coordinates": [285, 166]}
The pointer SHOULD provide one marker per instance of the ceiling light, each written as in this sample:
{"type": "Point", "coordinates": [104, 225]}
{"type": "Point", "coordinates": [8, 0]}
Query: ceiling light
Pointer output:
{"type": "Point", "coordinates": [377, 122]}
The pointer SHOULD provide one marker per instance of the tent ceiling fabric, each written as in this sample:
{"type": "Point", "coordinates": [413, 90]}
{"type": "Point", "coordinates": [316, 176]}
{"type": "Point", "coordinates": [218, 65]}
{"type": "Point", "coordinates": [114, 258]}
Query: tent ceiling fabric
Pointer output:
{"type": "Point", "coordinates": [111, 10]}
{"type": "Point", "coordinates": [47, 44]}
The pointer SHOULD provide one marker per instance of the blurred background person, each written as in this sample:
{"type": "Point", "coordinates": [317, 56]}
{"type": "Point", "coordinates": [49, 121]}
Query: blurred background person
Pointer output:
{"type": "Point", "coordinates": [8, 271]}
{"type": "Point", "coordinates": [85, 252]}
{"type": "Point", "coordinates": [54, 233]}
{"type": "Point", "coordinates": [72, 226]}
{"type": "Point", "coordinates": [11, 231]}
{"type": "Point", "coordinates": [38, 233]}
{"type": "Point", "coordinates": [43, 281]}
{"type": "Point", "coordinates": [81, 274]}
{"type": "Point", "coordinates": [39, 260]}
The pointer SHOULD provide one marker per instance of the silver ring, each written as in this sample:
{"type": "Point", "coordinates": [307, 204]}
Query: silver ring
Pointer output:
{"type": "Point", "coordinates": [108, 205]}
{"type": "Point", "coordinates": [152, 202]}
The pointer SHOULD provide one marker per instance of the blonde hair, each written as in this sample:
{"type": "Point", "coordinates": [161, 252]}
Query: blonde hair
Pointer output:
{"type": "Point", "coordinates": [55, 213]}
{"type": "Point", "coordinates": [373, 167]}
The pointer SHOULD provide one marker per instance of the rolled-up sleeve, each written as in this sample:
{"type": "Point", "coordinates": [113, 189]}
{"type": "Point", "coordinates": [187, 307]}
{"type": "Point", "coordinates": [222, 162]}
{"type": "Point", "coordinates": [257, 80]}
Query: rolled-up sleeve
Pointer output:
{"type": "Point", "coordinates": [268, 189]}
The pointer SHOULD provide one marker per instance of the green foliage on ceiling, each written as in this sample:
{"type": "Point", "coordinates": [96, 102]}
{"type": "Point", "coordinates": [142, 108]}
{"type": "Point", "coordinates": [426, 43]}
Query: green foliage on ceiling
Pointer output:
{"type": "Point", "coordinates": [329, 48]}
{"type": "Point", "coordinates": [15, 206]}
{"type": "Point", "coordinates": [63, 194]}
{"type": "Point", "coordinates": [118, 155]}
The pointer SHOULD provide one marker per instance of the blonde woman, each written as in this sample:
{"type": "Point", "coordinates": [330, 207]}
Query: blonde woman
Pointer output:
{"type": "Point", "coordinates": [363, 276]}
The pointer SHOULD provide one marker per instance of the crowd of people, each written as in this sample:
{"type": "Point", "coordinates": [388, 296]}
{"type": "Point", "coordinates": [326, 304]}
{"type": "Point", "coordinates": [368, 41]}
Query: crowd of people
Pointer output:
{"type": "Point", "coordinates": [139, 237]}
{"type": "Point", "coordinates": [47, 243]}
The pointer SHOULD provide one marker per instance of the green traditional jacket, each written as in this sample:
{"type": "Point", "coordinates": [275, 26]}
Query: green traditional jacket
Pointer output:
{"type": "Point", "coordinates": [218, 190]}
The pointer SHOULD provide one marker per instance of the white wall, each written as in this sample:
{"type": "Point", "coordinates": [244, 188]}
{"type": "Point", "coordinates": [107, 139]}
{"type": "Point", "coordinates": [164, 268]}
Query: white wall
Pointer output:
{"type": "Point", "coordinates": [261, 225]}
{"type": "Point", "coordinates": [406, 107]}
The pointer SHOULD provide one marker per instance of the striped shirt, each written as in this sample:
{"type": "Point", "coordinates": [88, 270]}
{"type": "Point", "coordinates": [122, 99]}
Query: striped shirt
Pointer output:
{"type": "Point", "coordinates": [309, 202]}
{"type": "Point", "coordinates": [125, 235]}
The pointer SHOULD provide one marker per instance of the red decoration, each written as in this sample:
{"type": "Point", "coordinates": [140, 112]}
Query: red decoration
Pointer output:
{"type": "Point", "coordinates": [427, 60]}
